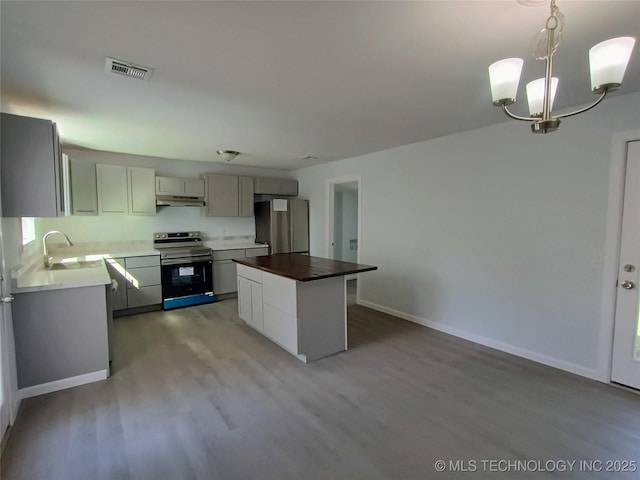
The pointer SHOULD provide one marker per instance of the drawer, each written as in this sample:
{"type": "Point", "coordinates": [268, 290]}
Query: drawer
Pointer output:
{"type": "Point", "coordinates": [146, 261]}
{"type": "Point", "coordinates": [227, 254]}
{"type": "Point", "coordinates": [256, 252]}
{"type": "Point", "coordinates": [250, 273]}
{"type": "Point", "coordinates": [281, 293]}
{"type": "Point", "coordinates": [281, 328]}
{"type": "Point", "coordinates": [143, 296]}
{"type": "Point", "coordinates": [143, 277]}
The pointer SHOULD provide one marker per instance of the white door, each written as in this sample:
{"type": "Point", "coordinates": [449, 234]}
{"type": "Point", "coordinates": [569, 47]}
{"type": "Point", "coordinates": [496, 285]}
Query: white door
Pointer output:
{"type": "Point", "coordinates": [625, 367]}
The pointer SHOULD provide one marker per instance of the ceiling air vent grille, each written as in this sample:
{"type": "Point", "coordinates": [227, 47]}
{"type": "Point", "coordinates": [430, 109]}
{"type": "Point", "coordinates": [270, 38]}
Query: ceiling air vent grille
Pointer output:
{"type": "Point", "coordinates": [127, 69]}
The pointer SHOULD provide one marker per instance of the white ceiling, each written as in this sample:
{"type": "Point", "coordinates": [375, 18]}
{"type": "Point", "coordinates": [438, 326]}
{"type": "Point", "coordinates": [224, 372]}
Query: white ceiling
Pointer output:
{"type": "Point", "coordinates": [282, 80]}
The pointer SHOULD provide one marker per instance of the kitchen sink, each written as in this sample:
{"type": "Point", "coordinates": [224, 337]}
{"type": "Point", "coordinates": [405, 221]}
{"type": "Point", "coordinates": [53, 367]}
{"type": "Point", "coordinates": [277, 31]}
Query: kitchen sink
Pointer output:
{"type": "Point", "coordinates": [76, 265]}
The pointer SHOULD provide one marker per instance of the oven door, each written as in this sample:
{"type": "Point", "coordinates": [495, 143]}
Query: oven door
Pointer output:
{"type": "Point", "coordinates": [186, 282]}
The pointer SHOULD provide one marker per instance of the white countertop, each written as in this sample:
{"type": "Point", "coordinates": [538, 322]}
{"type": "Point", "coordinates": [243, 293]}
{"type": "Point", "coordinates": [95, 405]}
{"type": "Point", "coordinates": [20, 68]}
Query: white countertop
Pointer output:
{"type": "Point", "coordinates": [38, 278]}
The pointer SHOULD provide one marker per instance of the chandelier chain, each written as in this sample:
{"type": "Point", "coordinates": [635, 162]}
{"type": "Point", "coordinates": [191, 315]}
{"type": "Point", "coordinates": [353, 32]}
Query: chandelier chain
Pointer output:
{"type": "Point", "coordinates": [550, 35]}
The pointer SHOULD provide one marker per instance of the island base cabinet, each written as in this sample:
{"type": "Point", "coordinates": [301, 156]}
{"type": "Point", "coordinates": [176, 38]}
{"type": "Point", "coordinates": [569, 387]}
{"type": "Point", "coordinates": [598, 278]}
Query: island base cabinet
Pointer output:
{"type": "Point", "coordinates": [322, 310]}
{"type": "Point", "coordinates": [308, 319]}
{"type": "Point", "coordinates": [60, 335]}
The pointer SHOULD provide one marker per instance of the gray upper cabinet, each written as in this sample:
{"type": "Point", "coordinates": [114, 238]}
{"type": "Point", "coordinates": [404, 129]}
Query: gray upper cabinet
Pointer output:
{"type": "Point", "coordinates": [142, 190]}
{"type": "Point", "coordinates": [193, 187]}
{"type": "Point", "coordinates": [126, 190]}
{"type": "Point", "coordinates": [169, 186]}
{"type": "Point", "coordinates": [83, 188]}
{"type": "Point", "coordinates": [187, 187]}
{"type": "Point", "coordinates": [112, 189]}
{"type": "Point", "coordinates": [31, 168]}
{"type": "Point", "coordinates": [275, 186]}
{"type": "Point", "coordinates": [245, 196]}
{"type": "Point", "coordinates": [228, 195]}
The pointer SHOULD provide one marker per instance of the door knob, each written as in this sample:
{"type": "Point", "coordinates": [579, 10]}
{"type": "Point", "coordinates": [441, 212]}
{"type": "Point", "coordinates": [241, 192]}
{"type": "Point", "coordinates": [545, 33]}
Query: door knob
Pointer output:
{"type": "Point", "coordinates": [627, 285]}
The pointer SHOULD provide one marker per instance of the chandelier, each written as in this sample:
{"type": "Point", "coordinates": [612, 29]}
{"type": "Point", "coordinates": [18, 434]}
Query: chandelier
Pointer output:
{"type": "Point", "coordinates": [607, 61]}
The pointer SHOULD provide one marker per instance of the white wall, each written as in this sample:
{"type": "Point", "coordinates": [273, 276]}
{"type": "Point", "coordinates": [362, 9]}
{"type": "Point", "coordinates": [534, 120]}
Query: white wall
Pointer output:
{"type": "Point", "coordinates": [489, 234]}
{"type": "Point", "coordinates": [129, 228]}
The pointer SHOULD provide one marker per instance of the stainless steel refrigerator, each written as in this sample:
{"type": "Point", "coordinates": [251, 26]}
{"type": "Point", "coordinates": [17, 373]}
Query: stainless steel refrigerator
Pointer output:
{"type": "Point", "coordinates": [283, 224]}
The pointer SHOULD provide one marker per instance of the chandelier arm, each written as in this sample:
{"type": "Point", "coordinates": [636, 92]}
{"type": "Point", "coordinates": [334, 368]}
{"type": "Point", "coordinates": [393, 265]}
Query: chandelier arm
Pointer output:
{"type": "Point", "coordinates": [518, 117]}
{"type": "Point", "coordinates": [602, 95]}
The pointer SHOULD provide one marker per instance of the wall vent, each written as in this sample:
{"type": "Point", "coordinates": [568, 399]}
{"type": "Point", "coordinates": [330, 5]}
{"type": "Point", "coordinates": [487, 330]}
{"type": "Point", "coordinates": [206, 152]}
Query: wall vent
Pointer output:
{"type": "Point", "coordinates": [120, 67]}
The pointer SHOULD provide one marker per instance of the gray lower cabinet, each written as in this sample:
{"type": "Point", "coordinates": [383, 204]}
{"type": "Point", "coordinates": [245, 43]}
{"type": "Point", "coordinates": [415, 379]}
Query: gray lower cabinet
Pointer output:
{"type": "Point", "coordinates": [117, 272]}
{"type": "Point", "coordinates": [60, 334]}
{"type": "Point", "coordinates": [225, 270]}
{"type": "Point", "coordinates": [139, 281]}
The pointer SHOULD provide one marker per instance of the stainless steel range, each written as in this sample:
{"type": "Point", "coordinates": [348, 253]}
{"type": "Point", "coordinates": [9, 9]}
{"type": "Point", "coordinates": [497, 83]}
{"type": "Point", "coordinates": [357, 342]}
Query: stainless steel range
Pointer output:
{"type": "Point", "coordinates": [187, 275]}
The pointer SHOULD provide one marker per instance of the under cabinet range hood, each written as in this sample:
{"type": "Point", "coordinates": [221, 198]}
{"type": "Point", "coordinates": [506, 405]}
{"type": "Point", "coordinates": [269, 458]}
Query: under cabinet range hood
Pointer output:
{"type": "Point", "coordinates": [179, 201]}
{"type": "Point", "coordinates": [179, 192]}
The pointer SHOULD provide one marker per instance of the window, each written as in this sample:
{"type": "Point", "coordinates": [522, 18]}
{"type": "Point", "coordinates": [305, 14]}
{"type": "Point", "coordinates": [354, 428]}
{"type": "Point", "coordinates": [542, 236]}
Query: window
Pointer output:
{"type": "Point", "coordinates": [28, 230]}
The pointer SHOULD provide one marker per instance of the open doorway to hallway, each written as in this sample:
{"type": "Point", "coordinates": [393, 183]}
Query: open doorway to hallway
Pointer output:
{"type": "Point", "coordinates": [344, 222]}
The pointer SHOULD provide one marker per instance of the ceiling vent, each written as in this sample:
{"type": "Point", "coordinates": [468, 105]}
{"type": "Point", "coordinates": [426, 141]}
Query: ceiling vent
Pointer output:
{"type": "Point", "coordinates": [127, 69]}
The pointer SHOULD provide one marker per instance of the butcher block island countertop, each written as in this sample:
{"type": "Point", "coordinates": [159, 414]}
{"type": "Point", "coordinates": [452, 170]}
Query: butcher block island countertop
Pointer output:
{"type": "Point", "coordinates": [297, 301]}
{"type": "Point", "coordinates": [304, 268]}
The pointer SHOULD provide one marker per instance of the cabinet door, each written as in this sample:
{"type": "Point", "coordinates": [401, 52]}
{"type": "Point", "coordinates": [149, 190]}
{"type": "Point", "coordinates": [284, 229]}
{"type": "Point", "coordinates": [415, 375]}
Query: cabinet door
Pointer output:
{"type": "Point", "coordinates": [142, 191]}
{"type": "Point", "coordinates": [224, 277]}
{"type": "Point", "coordinates": [84, 195]}
{"type": "Point", "coordinates": [193, 187]}
{"type": "Point", "coordinates": [244, 300]}
{"type": "Point", "coordinates": [268, 186]}
{"type": "Point", "coordinates": [245, 196]}
{"type": "Point", "coordinates": [169, 186]}
{"type": "Point", "coordinates": [288, 187]}
{"type": "Point", "coordinates": [256, 306]}
{"type": "Point", "coordinates": [112, 189]}
{"type": "Point", "coordinates": [222, 195]}
{"type": "Point", "coordinates": [30, 167]}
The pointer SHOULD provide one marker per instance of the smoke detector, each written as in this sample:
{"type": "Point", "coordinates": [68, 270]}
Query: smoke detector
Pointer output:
{"type": "Point", "coordinates": [127, 69]}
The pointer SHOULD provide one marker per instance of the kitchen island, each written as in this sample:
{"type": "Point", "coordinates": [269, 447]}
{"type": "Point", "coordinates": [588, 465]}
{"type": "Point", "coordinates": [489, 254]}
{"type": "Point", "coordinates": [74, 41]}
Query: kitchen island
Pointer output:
{"type": "Point", "coordinates": [297, 301]}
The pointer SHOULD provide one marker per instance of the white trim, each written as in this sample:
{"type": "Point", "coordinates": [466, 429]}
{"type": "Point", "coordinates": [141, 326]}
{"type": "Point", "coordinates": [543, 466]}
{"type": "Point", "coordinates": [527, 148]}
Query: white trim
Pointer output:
{"type": "Point", "coordinates": [611, 251]}
{"type": "Point", "coordinates": [62, 384]}
{"type": "Point", "coordinates": [488, 342]}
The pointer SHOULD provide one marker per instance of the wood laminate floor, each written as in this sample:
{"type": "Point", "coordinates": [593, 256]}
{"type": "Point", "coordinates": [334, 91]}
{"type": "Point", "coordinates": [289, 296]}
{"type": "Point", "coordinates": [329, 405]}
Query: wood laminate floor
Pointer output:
{"type": "Point", "coordinates": [196, 394]}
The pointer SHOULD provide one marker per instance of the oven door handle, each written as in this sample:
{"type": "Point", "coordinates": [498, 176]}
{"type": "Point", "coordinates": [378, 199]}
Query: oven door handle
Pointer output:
{"type": "Point", "coordinates": [183, 261]}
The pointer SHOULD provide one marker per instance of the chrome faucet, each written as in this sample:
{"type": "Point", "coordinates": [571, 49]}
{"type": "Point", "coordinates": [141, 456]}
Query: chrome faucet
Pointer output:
{"type": "Point", "coordinates": [47, 257]}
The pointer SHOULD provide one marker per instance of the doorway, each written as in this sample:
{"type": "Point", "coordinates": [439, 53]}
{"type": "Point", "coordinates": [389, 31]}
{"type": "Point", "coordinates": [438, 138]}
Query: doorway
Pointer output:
{"type": "Point", "coordinates": [625, 366]}
{"type": "Point", "coordinates": [343, 240]}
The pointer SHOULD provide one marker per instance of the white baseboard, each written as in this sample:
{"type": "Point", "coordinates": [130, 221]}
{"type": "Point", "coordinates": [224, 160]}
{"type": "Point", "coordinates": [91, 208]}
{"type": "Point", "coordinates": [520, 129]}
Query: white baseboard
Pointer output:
{"type": "Point", "coordinates": [62, 384]}
{"type": "Point", "coordinates": [489, 342]}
